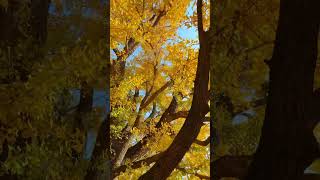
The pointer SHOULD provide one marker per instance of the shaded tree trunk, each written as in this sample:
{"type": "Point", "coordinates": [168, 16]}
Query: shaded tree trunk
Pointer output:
{"type": "Point", "coordinates": [39, 20]}
{"type": "Point", "coordinates": [287, 145]}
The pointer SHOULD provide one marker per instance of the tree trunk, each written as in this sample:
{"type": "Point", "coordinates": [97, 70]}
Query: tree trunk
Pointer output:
{"type": "Point", "coordinates": [39, 20]}
{"type": "Point", "coordinates": [287, 145]}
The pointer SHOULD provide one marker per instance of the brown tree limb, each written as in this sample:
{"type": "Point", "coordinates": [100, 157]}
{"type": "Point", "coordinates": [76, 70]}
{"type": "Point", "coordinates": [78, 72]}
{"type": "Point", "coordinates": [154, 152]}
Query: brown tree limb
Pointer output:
{"type": "Point", "coordinates": [168, 112]}
{"type": "Point", "coordinates": [155, 94]}
{"type": "Point", "coordinates": [136, 164]}
{"type": "Point", "coordinates": [177, 115]}
{"type": "Point", "coordinates": [202, 143]}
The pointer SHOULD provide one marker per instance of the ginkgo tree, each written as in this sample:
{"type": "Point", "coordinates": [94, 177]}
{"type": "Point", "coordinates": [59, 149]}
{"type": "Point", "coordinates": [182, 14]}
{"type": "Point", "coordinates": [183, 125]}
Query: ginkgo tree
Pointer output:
{"type": "Point", "coordinates": [49, 52]}
{"type": "Point", "coordinates": [152, 87]}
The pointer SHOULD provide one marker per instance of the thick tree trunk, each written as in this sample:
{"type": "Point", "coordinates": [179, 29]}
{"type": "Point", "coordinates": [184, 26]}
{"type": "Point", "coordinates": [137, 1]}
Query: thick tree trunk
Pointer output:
{"type": "Point", "coordinates": [287, 145]}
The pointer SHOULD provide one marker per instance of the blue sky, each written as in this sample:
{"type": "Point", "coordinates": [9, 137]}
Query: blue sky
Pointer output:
{"type": "Point", "coordinates": [189, 33]}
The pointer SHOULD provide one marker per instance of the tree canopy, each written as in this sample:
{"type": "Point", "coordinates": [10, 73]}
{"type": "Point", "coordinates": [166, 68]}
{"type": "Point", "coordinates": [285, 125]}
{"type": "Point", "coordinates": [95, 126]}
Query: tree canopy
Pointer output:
{"type": "Point", "coordinates": [152, 86]}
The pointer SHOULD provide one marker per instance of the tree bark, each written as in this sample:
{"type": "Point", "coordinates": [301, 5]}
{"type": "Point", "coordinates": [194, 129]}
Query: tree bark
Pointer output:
{"type": "Point", "coordinates": [287, 145]}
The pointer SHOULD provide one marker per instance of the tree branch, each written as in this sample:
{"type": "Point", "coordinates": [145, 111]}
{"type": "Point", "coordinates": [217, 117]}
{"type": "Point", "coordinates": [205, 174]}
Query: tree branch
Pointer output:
{"type": "Point", "coordinates": [200, 21]}
{"type": "Point", "coordinates": [177, 115]}
{"type": "Point", "coordinates": [136, 164]}
{"type": "Point", "coordinates": [161, 14]}
{"type": "Point", "coordinates": [202, 143]}
{"type": "Point", "coordinates": [155, 94]}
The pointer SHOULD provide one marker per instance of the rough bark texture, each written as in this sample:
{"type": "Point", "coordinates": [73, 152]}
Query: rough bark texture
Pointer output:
{"type": "Point", "coordinates": [287, 145]}
{"type": "Point", "coordinates": [191, 127]}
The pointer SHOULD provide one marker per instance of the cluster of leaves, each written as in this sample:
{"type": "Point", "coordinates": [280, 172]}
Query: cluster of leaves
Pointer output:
{"type": "Point", "coordinates": [36, 116]}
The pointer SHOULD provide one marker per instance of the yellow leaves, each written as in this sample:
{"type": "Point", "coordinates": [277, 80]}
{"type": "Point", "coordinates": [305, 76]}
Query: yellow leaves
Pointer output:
{"type": "Point", "coordinates": [161, 57]}
{"type": "Point", "coordinates": [135, 131]}
{"type": "Point", "coordinates": [148, 22]}
{"type": "Point", "coordinates": [132, 174]}
{"type": "Point", "coordinates": [165, 140]}
{"type": "Point", "coordinates": [204, 132]}
{"type": "Point", "coordinates": [119, 95]}
{"type": "Point", "coordinates": [183, 68]}
{"type": "Point", "coordinates": [196, 159]}
{"type": "Point", "coordinates": [162, 138]}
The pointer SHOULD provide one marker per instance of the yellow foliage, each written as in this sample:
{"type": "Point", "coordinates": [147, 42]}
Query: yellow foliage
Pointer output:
{"type": "Point", "coordinates": [160, 56]}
